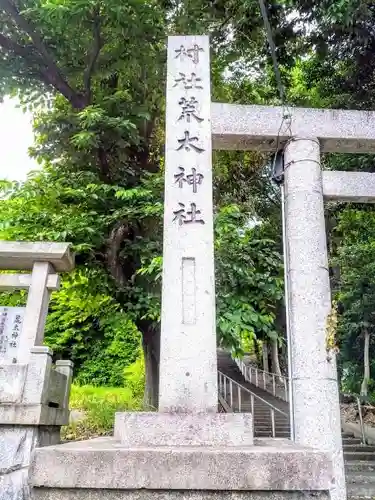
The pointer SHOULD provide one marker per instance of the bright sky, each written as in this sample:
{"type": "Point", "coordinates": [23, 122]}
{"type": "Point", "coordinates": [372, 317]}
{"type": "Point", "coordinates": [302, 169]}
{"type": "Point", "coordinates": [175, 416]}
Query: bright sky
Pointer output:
{"type": "Point", "coordinates": [16, 136]}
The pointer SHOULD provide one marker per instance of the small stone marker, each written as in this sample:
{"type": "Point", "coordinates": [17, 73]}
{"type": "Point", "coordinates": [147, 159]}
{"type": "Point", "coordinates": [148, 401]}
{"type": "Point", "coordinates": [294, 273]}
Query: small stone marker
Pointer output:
{"type": "Point", "coordinates": [11, 319]}
{"type": "Point", "coordinates": [188, 367]}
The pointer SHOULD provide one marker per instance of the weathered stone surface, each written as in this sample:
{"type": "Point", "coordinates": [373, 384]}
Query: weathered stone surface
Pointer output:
{"type": "Point", "coordinates": [178, 429]}
{"type": "Point", "coordinates": [101, 463]}
{"type": "Point", "coordinates": [16, 446]}
{"type": "Point", "coordinates": [14, 485]}
{"type": "Point", "coordinates": [316, 412]}
{"type": "Point", "coordinates": [358, 187]}
{"type": "Point", "coordinates": [12, 382]}
{"type": "Point", "coordinates": [36, 311]}
{"type": "Point", "coordinates": [23, 281]}
{"type": "Point", "coordinates": [58, 494]}
{"type": "Point", "coordinates": [33, 415]}
{"type": "Point", "coordinates": [38, 372]}
{"type": "Point", "coordinates": [188, 368]}
{"type": "Point", "coordinates": [22, 255]}
{"type": "Point", "coordinates": [65, 367]}
{"type": "Point", "coordinates": [237, 126]}
{"type": "Point", "coordinates": [56, 388]}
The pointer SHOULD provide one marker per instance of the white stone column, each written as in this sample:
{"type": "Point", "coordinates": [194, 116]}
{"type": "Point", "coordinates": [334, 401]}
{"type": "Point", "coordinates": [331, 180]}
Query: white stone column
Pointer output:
{"type": "Point", "coordinates": [315, 398]}
{"type": "Point", "coordinates": [188, 367]}
{"type": "Point", "coordinates": [36, 310]}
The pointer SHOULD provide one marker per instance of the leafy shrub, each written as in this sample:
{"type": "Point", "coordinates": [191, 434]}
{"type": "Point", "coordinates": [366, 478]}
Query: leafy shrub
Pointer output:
{"type": "Point", "coordinates": [135, 378]}
{"type": "Point", "coordinates": [99, 405]}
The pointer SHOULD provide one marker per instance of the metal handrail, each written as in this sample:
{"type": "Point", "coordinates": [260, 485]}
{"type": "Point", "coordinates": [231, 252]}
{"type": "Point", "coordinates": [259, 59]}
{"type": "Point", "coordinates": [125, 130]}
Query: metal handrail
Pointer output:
{"type": "Point", "coordinates": [364, 440]}
{"type": "Point", "coordinates": [253, 394]}
{"type": "Point", "coordinates": [261, 376]}
{"type": "Point", "coordinates": [225, 381]}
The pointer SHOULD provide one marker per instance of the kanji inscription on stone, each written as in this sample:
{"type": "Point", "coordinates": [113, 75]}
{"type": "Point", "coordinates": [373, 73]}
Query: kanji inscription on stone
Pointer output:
{"type": "Point", "coordinates": [11, 319]}
{"type": "Point", "coordinates": [189, 52]}
{"type": "Point", "coordinates": [189, 216]}
{"type": "Point", "coordinates": [193, 179]}
{"type": "Point", "coordinates": [188, 82]}
{"type": "Point", "coordinates": [189, 109]}
{"type": "Point", "coordinates": [189, 143]}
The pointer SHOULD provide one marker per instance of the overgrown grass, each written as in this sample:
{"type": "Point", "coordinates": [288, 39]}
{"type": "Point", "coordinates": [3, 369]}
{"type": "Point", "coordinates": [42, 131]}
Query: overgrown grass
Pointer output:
{"type": "Point", "coordinates": [99, 405]}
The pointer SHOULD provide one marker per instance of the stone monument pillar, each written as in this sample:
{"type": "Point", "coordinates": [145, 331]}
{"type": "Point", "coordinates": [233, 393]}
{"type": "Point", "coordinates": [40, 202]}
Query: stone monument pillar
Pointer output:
{"type": "Point", "coordinates": [316, 410]}
{"type": "Point", "coordinates": [188, 367]}
{"type": "Point", "coordinates": [34, 395]}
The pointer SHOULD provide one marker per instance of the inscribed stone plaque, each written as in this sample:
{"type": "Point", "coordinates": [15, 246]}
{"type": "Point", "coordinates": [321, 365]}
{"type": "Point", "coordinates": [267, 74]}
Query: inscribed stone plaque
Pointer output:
{"type": "Point", "coordinates": [188, 335]}
{"type": "Point", "coordinates": [11, 319]}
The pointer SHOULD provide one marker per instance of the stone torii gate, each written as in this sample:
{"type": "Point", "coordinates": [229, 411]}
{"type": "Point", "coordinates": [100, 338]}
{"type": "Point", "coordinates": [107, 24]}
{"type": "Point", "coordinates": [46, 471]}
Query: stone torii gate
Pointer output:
{"type": "Point", "coordinates": [314, 398]}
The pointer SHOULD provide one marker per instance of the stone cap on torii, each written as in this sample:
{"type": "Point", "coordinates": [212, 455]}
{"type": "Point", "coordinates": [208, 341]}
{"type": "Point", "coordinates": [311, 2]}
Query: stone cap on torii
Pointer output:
{"type": "Point", "coordinates": [261, 128]}
{"type": "Point", "coordinates": [21, 255]}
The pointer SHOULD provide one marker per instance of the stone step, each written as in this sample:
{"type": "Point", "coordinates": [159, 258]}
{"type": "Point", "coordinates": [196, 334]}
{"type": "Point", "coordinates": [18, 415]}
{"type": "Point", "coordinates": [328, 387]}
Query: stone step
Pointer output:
{"type": "Point", "coordinates": [269, 424]}
{"type": "Point", "coordinates": [360, 477]}
{"type": "Point", "coordinates": [268, 421]}
{"type": "Point", "coordinates": [359, 448]}
{"type": "Point", "coordinates": [351, 441]}
{"type": "Point", "coordinates": [361, 490]}
{"type": "Point", "coordinates": [269, 434]}
{"type": "Point", "coordinates": [358, 466]}
{"type": "Point", "coordinates": [357, 455]}
{"type": "Point", "coordinates": [359, 497]}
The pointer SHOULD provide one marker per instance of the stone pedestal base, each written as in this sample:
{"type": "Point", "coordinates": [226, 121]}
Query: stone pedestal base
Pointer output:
{"type": "Point", "coordinates": [103, 469]}
{"type": "Point", "coordinates": [181, 429]}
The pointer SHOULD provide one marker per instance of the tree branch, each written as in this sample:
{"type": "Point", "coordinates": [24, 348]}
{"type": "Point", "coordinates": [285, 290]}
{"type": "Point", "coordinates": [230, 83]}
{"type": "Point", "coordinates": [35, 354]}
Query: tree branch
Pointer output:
{"type": "Point", "coordinates": [19, 50]}
{"type": "Point", "coordinates": [52, 73]}
{"type": "Point", "coordinates": [97, 45]}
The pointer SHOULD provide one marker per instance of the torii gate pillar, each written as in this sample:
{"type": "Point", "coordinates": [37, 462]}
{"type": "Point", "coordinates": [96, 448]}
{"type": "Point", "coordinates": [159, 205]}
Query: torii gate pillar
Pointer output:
{"type": "Point", "coordinates": [315, 399]}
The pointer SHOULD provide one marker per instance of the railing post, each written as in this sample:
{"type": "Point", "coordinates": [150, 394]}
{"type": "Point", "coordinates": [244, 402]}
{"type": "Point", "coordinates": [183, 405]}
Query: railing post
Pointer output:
{"type": "Point", "coordinates": [264, 380]}
{"type": "Point", "coordinates": [364, 441]}
{"type": "Point", "coordinates": [285, 390]}
{"type": "Point", "coordinates": [256, 377]}
{"type": "Point", "coordinates": [239, 398]}
{"type": "Point", "coordinates": [225, 387]}
{"type": "Point", "coordinates": [231, 393]}
{"type": "Point", "coordinates": [273, 422]}
{"type": "Point", "coordinates": [273, 384]}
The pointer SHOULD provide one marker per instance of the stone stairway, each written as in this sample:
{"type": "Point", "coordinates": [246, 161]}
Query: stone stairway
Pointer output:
{"type": "Point", "coordinates": [262, 411]}
{"type": "Point", "coordinates": [359, 459]}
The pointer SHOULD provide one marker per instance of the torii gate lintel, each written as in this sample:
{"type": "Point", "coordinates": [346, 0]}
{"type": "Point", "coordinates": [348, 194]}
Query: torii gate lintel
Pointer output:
{"type": "Point", "coordinates": [261, 128]}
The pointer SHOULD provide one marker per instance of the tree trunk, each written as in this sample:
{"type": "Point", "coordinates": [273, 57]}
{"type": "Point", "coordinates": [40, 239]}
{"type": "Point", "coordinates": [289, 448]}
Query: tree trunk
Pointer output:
{"type": "Point", "coordinates": [256, 351]}
{"type": "Point", "coordinates": [366, 364]}
{"type": "Point", "coordinates": [266, 366]}
{"type": "Point", "coordinates": [275, 358]}
{"type": "Point", "coordinates": [151, 350]}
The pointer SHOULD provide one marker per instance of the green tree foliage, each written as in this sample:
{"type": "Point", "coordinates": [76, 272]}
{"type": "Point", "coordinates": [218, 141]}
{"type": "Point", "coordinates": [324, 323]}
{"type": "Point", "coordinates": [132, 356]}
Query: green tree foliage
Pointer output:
{"type": "Point", "coordinates": [93, 74]}
{"type": "Point", "coordinates": [96, 93]}
{"type": "Point", "coordinates": [249, 278]}
{"type": "Point", "coordinates": [356, 292]}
